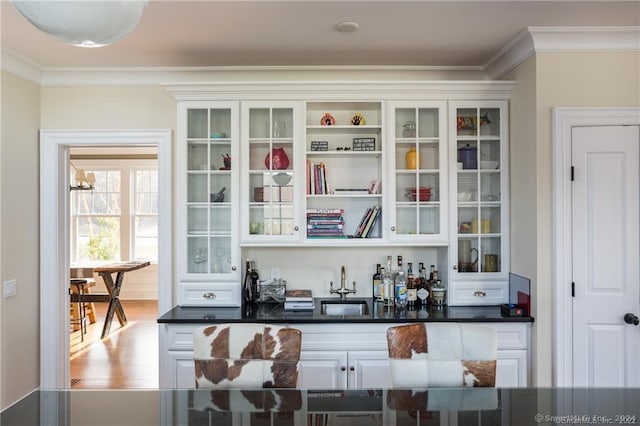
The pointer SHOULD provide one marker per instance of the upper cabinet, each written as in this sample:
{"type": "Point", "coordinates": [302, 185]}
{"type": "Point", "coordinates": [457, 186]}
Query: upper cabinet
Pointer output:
{"type": "Point", "coordinates": [416, 179]}
{"type": "Point", "coordinates": [208, 253]}
{"type": "Point", "coordinates": [478, 250]}
{"type": "Point", "coordinates": [343, 172]}
{"type": "Point", "coordinates": [272, 176]}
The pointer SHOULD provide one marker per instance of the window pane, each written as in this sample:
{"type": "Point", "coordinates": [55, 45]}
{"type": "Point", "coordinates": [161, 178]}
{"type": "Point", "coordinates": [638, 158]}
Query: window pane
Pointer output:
{"type": "Point", "coordinates": [98, 238]}
{"type": "Point", "coordinates": [146, 238]}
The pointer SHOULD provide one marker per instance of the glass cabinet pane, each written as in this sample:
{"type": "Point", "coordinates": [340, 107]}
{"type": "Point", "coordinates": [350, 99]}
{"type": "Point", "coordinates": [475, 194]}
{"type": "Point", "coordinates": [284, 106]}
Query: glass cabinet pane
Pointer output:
{"type": "Point", "coordinates": [271, 179]}
{"type": "Point", "coordinates": [479, 148]}
{"type": "Point", "coordinates": [209, 199]}
{"type": "Point", "coordinates": [417, 170]}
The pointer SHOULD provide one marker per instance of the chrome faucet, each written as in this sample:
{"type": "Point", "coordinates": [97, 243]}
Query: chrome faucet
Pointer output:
{"type": "Point", "coordinates": [343, 290]}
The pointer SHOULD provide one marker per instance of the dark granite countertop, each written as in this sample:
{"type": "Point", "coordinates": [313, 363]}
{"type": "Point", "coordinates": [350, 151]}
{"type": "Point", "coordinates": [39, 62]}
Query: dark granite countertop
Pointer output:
{"type": "Point", "coordinates": [275, 313]}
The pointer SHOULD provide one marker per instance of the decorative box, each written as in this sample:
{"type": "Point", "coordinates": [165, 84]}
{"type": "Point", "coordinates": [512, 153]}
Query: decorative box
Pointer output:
{"type": "Point", "coordinates": [364, 144]}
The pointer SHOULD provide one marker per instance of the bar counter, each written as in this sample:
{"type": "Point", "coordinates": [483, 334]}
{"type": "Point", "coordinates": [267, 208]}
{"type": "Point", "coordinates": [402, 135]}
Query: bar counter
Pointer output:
{"type": "Point", "coordinates": [275, 313]}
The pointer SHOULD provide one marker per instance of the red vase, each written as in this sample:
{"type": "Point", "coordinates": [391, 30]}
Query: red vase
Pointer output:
{"type": "Point", "coordinates": [278, 159]}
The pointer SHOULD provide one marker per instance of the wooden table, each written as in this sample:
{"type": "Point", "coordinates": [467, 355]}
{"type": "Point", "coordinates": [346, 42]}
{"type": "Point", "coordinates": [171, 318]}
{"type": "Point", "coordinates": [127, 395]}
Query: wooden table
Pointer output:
{"type": "Point", "coordinates": [106, 271]}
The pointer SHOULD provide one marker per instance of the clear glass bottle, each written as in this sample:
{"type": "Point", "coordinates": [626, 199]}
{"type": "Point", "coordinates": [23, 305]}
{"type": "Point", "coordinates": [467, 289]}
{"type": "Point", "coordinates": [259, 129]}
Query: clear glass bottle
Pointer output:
{"type": "Point", "coordinates": [400, 286]}
{"type": "Point", "coordinates": [412, 291]}
{"type": "Point", "coordinates": [387, 287]}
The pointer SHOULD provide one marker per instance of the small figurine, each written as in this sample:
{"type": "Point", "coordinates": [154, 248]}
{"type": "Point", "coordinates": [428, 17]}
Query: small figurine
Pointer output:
{"type": "Point", "coordinates": [327, 119]}
{"type": "Point", "coordinates": [357, 119]}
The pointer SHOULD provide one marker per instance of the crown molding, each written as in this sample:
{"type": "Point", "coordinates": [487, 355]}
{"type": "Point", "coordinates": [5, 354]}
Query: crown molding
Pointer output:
{"type": "Point", "coordinates": [561, 39]}
{"type": "Point", "coordinates": [345, 89]}
{"type": "Point", "coordinates": [20, 66]}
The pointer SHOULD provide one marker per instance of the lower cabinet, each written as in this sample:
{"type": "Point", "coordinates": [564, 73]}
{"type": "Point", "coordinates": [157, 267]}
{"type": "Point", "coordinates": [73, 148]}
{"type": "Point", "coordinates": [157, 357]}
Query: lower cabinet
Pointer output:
{"type": "Point", "coordinates": [344, 370]}
{"type": "Point", "coordinates": [342, 356]}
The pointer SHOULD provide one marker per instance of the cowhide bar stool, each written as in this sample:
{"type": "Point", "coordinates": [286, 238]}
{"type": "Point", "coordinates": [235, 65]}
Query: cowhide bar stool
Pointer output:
{"type": "Point", "coordinates": [428, 355]}
{"type": "Point", "coordinates": [246, 356]}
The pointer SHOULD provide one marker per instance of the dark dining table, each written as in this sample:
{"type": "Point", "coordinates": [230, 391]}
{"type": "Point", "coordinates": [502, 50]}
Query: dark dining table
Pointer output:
{"type": "Point", "coordinates": [113, 290]}
{"type": "Point", "coordinates": [335, 407]}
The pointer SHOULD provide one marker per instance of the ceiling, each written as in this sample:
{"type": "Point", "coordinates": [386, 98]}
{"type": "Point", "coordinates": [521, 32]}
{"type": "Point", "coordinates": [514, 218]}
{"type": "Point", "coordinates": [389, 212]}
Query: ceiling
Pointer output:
{"type": "Point", "coordinates": [185, 33]}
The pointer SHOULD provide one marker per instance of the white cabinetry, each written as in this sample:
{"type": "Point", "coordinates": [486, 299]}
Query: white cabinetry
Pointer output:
{"type": "Point", "coordinates": [416, 192]}
{"type": "Point", "coordinates": [479, 246]}
{"type": "Point", "coordinates": [207, 251]}
{"type": "Point", "coordinates": [343, 356]}
{"type": "Point", "coordinates": [272, 176]}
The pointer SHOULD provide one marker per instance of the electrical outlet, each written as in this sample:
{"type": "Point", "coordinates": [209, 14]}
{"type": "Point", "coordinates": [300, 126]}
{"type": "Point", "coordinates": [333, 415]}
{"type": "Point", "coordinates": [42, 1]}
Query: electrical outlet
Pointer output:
{"type": "Point", "coordinates": [9, 288]}
{"type": "Point", "coordinates": [275, 273]}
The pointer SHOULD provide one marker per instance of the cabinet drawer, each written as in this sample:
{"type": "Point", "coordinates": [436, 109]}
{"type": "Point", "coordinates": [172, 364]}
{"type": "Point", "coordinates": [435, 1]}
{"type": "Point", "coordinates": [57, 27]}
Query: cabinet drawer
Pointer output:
{"type": "Point", "coordinates": [209, 294]}
{"type": "Point", "coordinates": [478, 293]}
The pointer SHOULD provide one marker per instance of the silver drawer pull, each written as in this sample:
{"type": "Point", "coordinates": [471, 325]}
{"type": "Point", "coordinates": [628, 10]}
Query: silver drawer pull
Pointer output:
{"type": "Point", "coordinates": [479, 293]}
{"type": "Point", "coordinates": [209, 295]}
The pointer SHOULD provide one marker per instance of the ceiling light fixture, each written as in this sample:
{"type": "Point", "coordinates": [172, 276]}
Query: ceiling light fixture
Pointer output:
{"type": "Point", "coordinates": [86, 23]}
{"type": "Point", "coordinates": [346, 26]}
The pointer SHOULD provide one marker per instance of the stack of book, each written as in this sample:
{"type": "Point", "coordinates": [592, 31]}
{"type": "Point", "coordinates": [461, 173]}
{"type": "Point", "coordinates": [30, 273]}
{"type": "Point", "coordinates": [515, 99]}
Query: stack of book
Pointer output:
{"type": "Point", "coordinates": [325, 223]}
{"type": "Point", "coordinates": [298, 300]}
{"type": "Point", "coordinates": [368, 221]}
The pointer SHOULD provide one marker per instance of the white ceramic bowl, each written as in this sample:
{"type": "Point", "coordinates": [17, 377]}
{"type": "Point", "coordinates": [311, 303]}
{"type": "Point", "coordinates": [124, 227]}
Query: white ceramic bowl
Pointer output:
{"type": "Point", "coordinates": [488, 164]}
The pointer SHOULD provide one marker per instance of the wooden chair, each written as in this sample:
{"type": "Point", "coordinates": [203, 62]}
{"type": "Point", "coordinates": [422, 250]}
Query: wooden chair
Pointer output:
{"type": "Point", "coordinates": [246, 356]}
{"type": "Point", "coordinates": [427, 355]}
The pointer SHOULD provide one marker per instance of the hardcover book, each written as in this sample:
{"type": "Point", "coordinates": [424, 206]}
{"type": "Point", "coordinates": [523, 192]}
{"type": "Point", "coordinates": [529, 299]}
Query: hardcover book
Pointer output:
{"type": "Point", "coordinates": [298, 296]}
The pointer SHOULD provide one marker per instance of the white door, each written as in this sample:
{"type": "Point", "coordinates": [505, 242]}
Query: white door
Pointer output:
{"type": "Point", "coordinates": [369, 370]}
{"type": "Point", "coordinates": [323, 370]}
{"type": "Point", "coordinates": [606, 239]}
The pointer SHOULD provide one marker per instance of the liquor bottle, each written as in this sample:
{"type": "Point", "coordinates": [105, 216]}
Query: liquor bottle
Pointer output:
{"type": "Point", "coordinates": [423, 287]}
{"type": "Point", "coordinates": [247, 293]}
{"type": "Point", "coordinates": [400, 286]}
{"type": "Point", "coordinates": [255, 281]}
{"type": "Point", "coordinates": [387, 287]}
{"type": "Point", "coordinates": [430, 283]}
{"type": "Point", "coordinates": [412, 291]}
{"type": "Point", "coordinates": [376, 283]}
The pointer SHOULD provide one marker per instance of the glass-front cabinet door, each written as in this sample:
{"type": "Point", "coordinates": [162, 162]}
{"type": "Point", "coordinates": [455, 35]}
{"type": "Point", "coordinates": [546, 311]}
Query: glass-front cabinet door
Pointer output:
{"type": "Point", "coordinates": [207, 190]}
{"type": "Point", "coordinates": [480, 184]}
{"type": "Point", "coordinates": [418, 165]}
{"type": "Point", "coordinates": [270, 180]}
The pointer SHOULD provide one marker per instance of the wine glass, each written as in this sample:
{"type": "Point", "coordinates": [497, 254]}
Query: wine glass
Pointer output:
{"type": "Point", "coordinates": [199, 257]}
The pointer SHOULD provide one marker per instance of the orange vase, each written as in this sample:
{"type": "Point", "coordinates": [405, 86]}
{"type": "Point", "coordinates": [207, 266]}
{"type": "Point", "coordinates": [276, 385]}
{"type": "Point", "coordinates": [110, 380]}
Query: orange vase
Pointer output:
{"type": "Point", "coordinates": [412, 159]}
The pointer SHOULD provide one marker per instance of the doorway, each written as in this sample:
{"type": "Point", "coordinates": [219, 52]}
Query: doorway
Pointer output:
{"type": "Point", "coordinates": [54, 235]}
{"type": "Point", "coordinates": [595, 216]}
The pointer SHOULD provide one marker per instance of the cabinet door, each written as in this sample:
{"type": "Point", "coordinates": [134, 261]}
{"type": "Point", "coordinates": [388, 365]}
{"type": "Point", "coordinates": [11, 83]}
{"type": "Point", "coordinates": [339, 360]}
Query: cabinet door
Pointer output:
{"type": "Point", "coordinates": [369, 370]}
{"type": "Point", "coordinates": [207, 195]}
{"type": "Point", "coordinates": [323, 370]}
{"type": "Point", "coordinates": [343, 172]}
{"type": "Point", "coordinates": [480, 228]}
{"type": "Point", "coordinates": [181, 371]}
{"type": "Point", "coordinates": [272, 176]}
{"type": "Point", "coordinates": [511, 369]}
{"type": "Point", "coordinates": [417, 172]}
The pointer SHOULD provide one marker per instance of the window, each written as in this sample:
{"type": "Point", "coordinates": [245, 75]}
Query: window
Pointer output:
{"type": "Point", "coordinates": [118, 220]}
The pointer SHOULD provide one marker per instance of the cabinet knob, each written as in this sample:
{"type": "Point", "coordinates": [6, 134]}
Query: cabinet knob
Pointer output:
{"type": "Point", "coordinates": [393, 228]}
{"type": "Point", "coordinates": [209, 295]}
{"type": "Point", "coordinates": [352, 368]}
{"type": "Point", "coordinates": [455, 267]}
{"type": "Point", "coordinates": [296, 228]}
{"type": "Point", "coordinates": [479, 293]}
{"type": "Point", "coordinates": [234, 268]}
{"type": "Point", "coordinates": [343, 368]}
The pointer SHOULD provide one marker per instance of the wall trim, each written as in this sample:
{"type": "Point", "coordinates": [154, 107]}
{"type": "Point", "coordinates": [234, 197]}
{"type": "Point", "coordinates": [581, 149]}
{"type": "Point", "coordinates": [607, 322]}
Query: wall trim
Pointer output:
{"type": "Point", "coordinates": [54, 231]}
{"type": "Point", "coordinates": [564, 119]}
{"type": "Point", "coordinates": [561, 39]}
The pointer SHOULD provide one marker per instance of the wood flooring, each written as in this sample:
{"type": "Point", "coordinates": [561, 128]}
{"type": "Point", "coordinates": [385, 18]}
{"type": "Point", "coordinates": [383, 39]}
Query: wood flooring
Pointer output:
{"type": "Point", "coordinates": [126, 359]}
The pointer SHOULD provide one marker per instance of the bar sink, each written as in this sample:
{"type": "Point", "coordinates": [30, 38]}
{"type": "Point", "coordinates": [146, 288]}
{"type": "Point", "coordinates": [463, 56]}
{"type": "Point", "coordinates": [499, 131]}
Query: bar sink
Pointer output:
{"type": "Point", "coordinates": [344, 307]}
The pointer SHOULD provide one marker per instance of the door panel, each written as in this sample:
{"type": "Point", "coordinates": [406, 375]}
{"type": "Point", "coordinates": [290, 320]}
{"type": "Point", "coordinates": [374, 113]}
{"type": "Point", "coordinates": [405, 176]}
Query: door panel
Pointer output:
{"type": "Point", "coordinates": [606, 254]}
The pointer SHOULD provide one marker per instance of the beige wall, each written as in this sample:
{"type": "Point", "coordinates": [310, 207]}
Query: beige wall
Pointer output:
{"type": "Point", "coordinates": [522, 156]}
{"type": "Point", "coordinates": [19, 232]}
